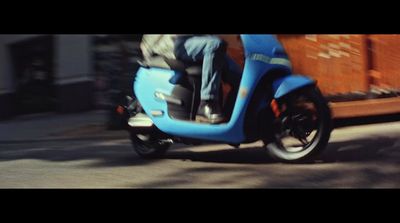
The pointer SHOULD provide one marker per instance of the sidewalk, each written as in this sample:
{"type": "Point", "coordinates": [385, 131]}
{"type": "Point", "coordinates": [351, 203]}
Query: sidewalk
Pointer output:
{"type": "Point", "coordinates": [52, 126]}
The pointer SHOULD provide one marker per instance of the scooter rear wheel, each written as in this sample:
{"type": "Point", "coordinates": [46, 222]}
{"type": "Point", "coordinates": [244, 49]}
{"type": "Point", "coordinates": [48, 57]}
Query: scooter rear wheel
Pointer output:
{"type": "Point", "coordinates": [303, 128]}
{"type": "Point", "coordinates": [149, 146]}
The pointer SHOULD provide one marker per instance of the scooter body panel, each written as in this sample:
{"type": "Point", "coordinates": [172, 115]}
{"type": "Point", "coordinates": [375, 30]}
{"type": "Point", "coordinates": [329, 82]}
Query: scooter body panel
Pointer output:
{"type": "Point", "coordinates": [263, 53]}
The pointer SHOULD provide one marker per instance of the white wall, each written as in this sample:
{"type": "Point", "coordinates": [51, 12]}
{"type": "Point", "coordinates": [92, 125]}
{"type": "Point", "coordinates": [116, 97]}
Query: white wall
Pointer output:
{"type": "Point", "coordinates": [73, 59]}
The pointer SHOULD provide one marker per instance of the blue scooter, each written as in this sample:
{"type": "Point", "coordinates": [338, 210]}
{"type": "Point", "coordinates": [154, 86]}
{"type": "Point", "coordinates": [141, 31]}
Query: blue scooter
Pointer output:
{"type": "Point", "coordinates": [287, 112]}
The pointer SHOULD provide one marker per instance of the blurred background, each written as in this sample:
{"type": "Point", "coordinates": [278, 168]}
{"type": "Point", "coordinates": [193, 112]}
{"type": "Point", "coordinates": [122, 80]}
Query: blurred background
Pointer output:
{"type": "Point", "coordinates": [76, 73]}
{"type": "Point", "coordinates": [59, 97]}
{"type": "Point", "coordinates": [343, 64]}
{"type": "Point", "coordinates": [65, 73]}
{"type": "Point", "coordinates": [358, 74]}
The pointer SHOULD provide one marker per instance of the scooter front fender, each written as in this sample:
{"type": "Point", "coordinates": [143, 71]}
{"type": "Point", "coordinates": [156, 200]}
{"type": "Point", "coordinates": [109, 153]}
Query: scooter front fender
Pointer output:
{"type": "Point", "coordinates": [285, 85]}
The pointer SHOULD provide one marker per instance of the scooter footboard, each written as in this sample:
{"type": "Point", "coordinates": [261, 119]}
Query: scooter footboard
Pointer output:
{"type": "Point", "coordinates": [285, 85]}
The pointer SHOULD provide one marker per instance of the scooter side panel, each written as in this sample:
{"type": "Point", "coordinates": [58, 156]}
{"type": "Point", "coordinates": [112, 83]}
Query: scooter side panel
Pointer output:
{"type": "Point", "coordinates": [267, 45]}
{"type": "Point", "coordinates": [285, 85]}
{"type": "Point", "coordinates": [148, 81]}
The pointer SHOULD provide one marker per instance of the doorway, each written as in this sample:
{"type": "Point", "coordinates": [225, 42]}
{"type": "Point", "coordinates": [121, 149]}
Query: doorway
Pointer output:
{"type": "Point", "coordinates": [33, 69]}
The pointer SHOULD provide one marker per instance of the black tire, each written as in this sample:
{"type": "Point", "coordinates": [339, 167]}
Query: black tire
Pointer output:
{"type": "Point", "coordinates": [319, 123]}
{"type": "Point", "coordinates": [149, 146]}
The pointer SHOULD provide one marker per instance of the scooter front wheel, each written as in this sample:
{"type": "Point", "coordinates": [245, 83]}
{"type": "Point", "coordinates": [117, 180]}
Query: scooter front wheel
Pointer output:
{"type": "Point", "coordinates": [303, 129]}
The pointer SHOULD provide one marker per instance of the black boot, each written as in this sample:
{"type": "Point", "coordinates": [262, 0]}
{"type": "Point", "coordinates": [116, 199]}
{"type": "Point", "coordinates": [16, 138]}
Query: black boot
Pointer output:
{"type": "Point", "coordinates": [210, 112]}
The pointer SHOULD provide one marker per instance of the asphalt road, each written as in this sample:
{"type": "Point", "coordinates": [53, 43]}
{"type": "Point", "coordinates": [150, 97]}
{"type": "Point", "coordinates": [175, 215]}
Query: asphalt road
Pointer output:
{"type": "Point", "coordinates": [366, 156]}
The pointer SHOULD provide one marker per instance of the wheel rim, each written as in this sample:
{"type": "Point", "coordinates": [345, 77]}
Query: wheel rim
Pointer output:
{"type": "Point", "coordinates": [300, 127]}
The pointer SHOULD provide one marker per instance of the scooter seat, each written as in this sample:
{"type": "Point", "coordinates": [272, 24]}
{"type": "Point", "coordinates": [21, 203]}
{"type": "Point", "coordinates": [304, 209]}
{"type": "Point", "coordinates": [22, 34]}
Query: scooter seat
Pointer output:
{"type": "Point", "coordinates": [171, 64]}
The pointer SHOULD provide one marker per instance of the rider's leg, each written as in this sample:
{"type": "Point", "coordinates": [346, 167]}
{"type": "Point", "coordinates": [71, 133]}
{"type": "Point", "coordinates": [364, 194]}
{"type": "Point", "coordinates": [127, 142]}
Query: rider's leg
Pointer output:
{"type": "Point", "coordinates": [212, 51]}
